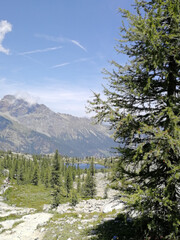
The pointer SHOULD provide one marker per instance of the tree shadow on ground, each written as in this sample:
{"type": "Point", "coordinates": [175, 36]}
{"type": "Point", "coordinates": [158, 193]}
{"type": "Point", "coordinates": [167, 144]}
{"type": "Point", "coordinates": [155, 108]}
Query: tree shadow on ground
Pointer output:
{"type": "Point", "coordinates": [121, 226]}
{"type": "Point", "coordinates": [127, 228]}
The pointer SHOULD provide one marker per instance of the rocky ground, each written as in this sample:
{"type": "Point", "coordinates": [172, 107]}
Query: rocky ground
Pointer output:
{"type": "Point", "coordinates": [65, 223]}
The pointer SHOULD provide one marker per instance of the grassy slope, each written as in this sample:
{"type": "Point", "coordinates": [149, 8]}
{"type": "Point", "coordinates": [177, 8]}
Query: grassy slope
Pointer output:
{"type": "Point", "coordinates": [28, 196]}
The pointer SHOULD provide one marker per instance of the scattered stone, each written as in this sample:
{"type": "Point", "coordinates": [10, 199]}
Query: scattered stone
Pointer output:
{"type": "Point", "coordinates": [108, 219]}
{"type": "Point", "coordinates": [27, 229]}
{"type": "Point", "coordinates": [46, 207]}
{"type": "Point", "coordinates": [115, 204]}
{"type": "Point", "coordinates": [31, 225]}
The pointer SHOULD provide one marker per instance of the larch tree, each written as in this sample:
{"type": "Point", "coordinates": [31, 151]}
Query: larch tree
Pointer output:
{"type": "Point", "coordinates": [92, 168]}
{"type": "Point", "coordinates": [142, 106]}
{"type": "Point", "coordinates": [35, 176]}
{"type": "Point", "coordinates": [55, 170]}
{"type": "Point", "coordinates": [68, 181]}
{"type": "Point", "coordinates": [89, 187]}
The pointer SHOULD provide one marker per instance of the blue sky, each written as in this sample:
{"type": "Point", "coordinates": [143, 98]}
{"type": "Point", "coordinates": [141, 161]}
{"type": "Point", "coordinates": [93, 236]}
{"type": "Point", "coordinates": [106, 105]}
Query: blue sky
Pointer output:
{"type": "Point", "coordinates": [53, 52]}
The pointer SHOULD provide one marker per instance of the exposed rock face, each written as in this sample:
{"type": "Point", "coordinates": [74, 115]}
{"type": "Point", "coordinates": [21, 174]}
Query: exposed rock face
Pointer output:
{"type": "Point", "coordinates": [34, 128]}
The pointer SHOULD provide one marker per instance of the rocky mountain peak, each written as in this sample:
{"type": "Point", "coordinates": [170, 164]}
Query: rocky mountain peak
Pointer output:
{"type": "Point", "coordinates": [8, 98]}
{"type": "Point", "coordinates": [34, 128]}
{"type": "Point", "coordinates": [6, 101]}
{"type": "Point", "coordinates": [15, 106]}
{"type": "Point", "coordinates": [18, 106]}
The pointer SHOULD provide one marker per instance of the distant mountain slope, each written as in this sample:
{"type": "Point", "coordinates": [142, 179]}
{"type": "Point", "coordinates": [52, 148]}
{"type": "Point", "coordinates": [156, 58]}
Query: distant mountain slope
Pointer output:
{"type": "Point", "coordinates": [34, 128]}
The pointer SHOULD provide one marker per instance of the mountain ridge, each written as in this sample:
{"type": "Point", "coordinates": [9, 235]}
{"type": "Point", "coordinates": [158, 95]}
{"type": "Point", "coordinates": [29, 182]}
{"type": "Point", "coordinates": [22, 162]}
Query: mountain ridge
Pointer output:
{"type": "Point", "coordinates": [34, 128]}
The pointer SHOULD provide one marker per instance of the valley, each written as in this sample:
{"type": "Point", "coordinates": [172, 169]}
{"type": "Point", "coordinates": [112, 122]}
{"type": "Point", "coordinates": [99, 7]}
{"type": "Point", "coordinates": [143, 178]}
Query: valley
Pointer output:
{"type": "Point", "coordinates": [65, 222]}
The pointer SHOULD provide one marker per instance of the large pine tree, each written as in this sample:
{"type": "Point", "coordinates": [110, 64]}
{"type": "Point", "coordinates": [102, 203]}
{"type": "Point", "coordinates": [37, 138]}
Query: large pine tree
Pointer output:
{"type": "Point", "coordinates": [143, 108]}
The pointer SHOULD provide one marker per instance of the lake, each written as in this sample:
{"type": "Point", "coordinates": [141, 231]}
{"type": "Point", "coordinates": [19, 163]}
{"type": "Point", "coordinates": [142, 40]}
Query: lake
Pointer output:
{"type": "Point", "coordinates": [87, 165]}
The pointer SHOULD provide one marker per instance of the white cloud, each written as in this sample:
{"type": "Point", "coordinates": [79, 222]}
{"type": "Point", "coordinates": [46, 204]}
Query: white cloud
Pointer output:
{"type": "Point", "coordinates": [59, 98]}
{"type": "Point", "coordinates": [63, 100]}
{"type": "Point", "coordinates": [5, 27]}
{"type": "Point", "coordinates": [40, 50]}
{"type": "Point", "coordinates": [51, 38]}
{"type": "Point", "coordinates": [78, 44]}
{"type": "Point", "coordinates": [27, 97]}
{"type": "Point", "coordinates": [82, 60]}
{"type": "Point", "coordinates": [61, 39]}
{"type": "Point", "coordinates": [60, 65]}
{"type": "Point", "coordinates": [75, 61]}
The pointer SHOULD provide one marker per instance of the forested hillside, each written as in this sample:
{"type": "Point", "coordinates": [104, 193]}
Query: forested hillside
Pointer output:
{"type": "Point", "coordinates": [62, 177]}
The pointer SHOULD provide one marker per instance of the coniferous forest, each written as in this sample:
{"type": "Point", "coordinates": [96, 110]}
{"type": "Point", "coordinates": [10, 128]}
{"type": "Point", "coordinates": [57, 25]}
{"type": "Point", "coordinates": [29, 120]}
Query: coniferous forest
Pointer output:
{"type": "Point", "coordinates": [61, 176]}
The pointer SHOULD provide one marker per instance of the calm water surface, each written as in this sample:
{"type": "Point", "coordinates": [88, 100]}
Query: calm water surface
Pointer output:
{"type": "Point", "coordinates": [87, 165]}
